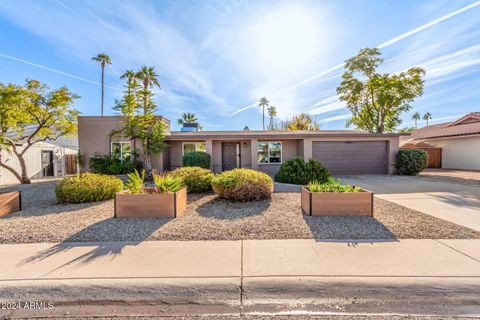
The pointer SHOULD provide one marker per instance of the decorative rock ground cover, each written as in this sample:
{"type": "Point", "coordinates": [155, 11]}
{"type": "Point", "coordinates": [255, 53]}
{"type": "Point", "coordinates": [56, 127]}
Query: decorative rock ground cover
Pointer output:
{"type": "Point", "coordinates": [208, 217]}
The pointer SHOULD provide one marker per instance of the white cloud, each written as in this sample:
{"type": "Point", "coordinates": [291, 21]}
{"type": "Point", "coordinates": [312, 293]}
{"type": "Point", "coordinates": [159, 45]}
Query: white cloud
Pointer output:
{"type": "Point", "coordinates": [335, 118]}
{"type": "Point", "coordinates": [139, 37]}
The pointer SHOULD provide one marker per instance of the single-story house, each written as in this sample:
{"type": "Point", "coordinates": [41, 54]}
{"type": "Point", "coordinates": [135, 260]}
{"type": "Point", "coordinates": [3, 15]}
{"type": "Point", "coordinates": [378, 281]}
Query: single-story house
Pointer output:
{"type": "Point", "coordinates": [43, 159]}
{"type": "Point", "coordinates": [458, 141]}
{"type": "Point", "coordinates": [342, 151]}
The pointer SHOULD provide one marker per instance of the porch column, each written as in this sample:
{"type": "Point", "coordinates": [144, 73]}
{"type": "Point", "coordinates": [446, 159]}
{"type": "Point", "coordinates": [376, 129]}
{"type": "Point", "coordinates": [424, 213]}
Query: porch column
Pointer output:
{"type": "Point", "coordinates": [209, 150]}
{"type": "Point", "coordinates": [307, 149]}
{"type": "Point", "coordinates": [254, 152]}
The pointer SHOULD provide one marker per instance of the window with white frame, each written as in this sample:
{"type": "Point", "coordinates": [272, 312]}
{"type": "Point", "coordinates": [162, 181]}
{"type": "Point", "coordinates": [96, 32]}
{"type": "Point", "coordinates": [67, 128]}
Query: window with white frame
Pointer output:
{"type": "Point", "coordinates": [269, 152]}
{"type": "Point", "coordinates": [121, 150]}
{"type": "Point", "coordinates": [193, 147]}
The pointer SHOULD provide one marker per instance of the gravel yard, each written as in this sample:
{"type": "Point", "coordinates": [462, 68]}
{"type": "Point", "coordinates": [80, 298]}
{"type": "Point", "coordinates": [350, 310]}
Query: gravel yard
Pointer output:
{"type": "Point", "coordinates": [210, 218]}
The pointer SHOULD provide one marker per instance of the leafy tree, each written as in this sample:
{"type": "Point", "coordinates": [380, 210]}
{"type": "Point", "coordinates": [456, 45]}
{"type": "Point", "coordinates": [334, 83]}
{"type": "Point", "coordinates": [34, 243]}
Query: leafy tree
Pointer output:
{"type": "Point", "coordinates": [407, 130]}
{"type": "Point", "coordinates": [246, 128]}
{"type": "Point", "coordinates": [103, 59]}
{"type": "Point", "coordinates": [416, 117]}
{"type": "Point", "coordinates": [187, 118]}
{"type": "Point", "coordinates": [140, 108]}
{"type": "Point", "coordinates": [376, 100]}
{"type": "Point", "coordinates": [128, 105]}
{"type": "Point", "coordinates": [262, 103]}
{"type": "Point", "coordinates": [149, 78]}
{"type": "Point", "coordinates": [272, 113]}
{"type": "Point", "coordinates": [302, 121]}
{"type": "Point", "coordinates": [30, 114]}
{"type": "Point", "coordinates": [427, 116]}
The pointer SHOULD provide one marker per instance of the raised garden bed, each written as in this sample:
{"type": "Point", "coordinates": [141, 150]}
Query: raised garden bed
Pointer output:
{"type": "Point", "coordinates": [10, 202]}
{"type": "Point", "coordinates": [150, 204]}
{"type": "Point", "coordinates": [337, 203]}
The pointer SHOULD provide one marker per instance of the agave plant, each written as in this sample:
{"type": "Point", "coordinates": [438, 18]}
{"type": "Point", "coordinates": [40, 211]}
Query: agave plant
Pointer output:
{"type": "Point", "coordinates": [165, 183]}
{"type": "Point", "coordinates": [135, 182]}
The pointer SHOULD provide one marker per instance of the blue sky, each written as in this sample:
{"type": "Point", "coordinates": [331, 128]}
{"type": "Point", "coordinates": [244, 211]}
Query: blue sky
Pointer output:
{"type": "Point", "coordinates": [216, 58]}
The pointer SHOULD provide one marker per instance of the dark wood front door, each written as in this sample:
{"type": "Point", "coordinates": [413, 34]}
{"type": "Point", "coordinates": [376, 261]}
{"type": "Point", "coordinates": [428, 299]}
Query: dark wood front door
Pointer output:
{"type": "Point", "coordinates": [47, 163]}
{"type": "Point", "coordinates": [230, 155]}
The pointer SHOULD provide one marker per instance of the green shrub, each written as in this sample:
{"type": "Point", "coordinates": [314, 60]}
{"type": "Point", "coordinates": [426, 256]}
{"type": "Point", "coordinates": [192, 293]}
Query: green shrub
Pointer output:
{"type": "Point", "coordinates": [297, 171]}
{"type": "Point", "coordinates": [243, 185]}
{"type": "Point", "coordinates": [166, 183]}
{"type": "Point", "coordinates": [196, 179]}
{"type": "Point", "coordinates": [331, 186]}
{"type": "Point", "coordinates": [410, 162]}
{"type": "Point", "coordinates": [196, 159]}
{"type": "Point", "coordinates": [135, 183]}
{"type": "Point", "coordinates": [108, 164]}
{"type": "Point", "coordinates": [87, 187]}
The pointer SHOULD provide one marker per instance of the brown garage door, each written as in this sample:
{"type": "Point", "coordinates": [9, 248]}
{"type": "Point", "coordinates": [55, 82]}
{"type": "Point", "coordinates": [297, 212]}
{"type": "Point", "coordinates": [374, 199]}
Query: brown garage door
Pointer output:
{"type": "Point", "coordinates": [352, 157]}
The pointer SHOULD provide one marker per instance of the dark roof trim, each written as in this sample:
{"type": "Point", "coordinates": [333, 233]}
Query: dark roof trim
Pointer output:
{"type": "Point", "coordinates": [239, 135]}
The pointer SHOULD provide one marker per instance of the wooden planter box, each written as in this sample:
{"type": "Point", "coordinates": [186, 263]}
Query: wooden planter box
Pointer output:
{"type": "Point", "coordinates": [150, 204]}
{"type": "Point", "coordinates": [337, 203]}
{"type": "Point", "coordinates": [10, 202]}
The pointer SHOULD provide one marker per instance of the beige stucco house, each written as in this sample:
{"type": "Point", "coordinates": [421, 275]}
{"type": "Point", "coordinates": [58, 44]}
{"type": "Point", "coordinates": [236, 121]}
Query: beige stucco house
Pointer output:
{"type": "Point", "coordinates": [342, 151]}
{"type": "Point", "coordinates": [458, 141]}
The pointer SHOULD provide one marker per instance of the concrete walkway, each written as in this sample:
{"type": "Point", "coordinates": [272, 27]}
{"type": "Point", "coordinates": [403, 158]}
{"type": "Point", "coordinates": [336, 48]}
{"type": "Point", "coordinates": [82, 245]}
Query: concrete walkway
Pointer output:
{"type": "Point", "coordinates": [455, 202]}
{"type": "Point", "coordinates": [244, 274]}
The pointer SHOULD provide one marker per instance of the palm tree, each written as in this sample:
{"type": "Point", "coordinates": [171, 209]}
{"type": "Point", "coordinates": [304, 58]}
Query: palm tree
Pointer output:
{"type": "Point", "coordinates": [272, 113]}
{"type": "Point", "coordinates": [187, 118]}
{"type": "Point", "coordinates": [103, 59]}
{"type": "Point", "coordinates": [131, 79]}
{"type": "Point", "coordinates": [262, 103]}
{"type": "Point", "coordinates": [427, 116]}
{"type": "Point", "coordinates": [416, 117]}
{"type": "Point", "coordinates": [148, 77]}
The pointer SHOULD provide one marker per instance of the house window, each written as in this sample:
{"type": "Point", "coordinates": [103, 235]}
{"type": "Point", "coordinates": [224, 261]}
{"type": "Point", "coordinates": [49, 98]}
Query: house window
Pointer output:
{"type": "Point", "coordinates": [121, 150]}
{"type": "Point", "coordinates": [269, 152]}
{"type": "Point", "coordinates": [193, 147]}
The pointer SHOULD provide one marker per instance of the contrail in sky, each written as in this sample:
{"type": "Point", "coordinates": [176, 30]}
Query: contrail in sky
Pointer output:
{"type": "Point", "coordinates": [56, 71]}
{"type": "Point", "coordinates": [380, 46]}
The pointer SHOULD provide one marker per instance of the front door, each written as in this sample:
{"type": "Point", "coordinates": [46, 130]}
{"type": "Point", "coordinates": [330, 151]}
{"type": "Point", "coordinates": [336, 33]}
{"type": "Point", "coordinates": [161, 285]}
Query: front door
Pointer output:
{"type": "Point", "coordinates": [230, 155]}
{"type": "Point", "coordinates": [47, 163]}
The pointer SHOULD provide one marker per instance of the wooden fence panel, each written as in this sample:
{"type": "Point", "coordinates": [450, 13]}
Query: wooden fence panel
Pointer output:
{"type": "Point", "coordinates": [71, 163]}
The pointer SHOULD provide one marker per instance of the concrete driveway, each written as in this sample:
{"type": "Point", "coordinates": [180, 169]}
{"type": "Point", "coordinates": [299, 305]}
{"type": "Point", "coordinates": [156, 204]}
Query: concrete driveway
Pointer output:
{"type": "Point", "coordinates": [455, 202]}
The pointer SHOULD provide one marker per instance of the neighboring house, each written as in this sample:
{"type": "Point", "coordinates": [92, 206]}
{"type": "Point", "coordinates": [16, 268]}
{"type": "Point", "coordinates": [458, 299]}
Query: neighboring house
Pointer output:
{"type": "Point", "coordinates": [44, 159]}
{"type": "Point", "coordinates": [458, 140]}
{"type": "Point", "coordinates": [342, 151]}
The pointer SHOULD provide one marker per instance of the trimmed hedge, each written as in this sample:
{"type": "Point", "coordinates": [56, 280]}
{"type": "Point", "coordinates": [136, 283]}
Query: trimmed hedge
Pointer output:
{"type": "Point", "coordinates": [297, 171]}
{"type": "Point", "coordinates": [196, 179]}
{"type": "Point", "coordinates": [87, 187]}
{"type": "Point", "coordinates": [196, 159]}
{"type": "Point", "coordinates": [243, 185]}
{"type": "Point", "coordinates": [411, 162]}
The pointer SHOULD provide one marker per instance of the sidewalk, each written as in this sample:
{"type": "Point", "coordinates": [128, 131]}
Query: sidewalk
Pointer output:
{"type": "Point", "coordinates": [240, 273]}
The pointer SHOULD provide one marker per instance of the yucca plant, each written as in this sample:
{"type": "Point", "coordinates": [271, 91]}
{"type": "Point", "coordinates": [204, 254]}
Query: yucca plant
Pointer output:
{"type": "Point", "coordinates": [135, 182]}
{"type": "Point", "coordinates": [165, 183]}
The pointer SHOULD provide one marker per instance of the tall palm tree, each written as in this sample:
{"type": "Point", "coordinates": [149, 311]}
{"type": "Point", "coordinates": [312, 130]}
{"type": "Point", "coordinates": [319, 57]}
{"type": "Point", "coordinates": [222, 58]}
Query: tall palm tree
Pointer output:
{"type": "Point", "coordinates": [187, 118]}
{"type": "Point", "coordinates": [427, 116]}
{"type": "Point", "coordinates": [103, 59]}
{"type": "Point", "coordinates": [272, 113]}
{"type": "Point", "coordinates": [416, 117]}
{"type": "Point", "coordinates": [130, 76]}
{"type": "Point", "coordinates": [149, 78]}
{"type": "Point", "coordinates": [262, 103]}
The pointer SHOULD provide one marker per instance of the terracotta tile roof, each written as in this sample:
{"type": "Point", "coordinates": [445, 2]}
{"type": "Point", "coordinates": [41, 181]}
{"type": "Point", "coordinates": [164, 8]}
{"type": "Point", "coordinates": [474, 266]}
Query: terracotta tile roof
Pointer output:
{"type": "Point", "coordinates": [466, 125]}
